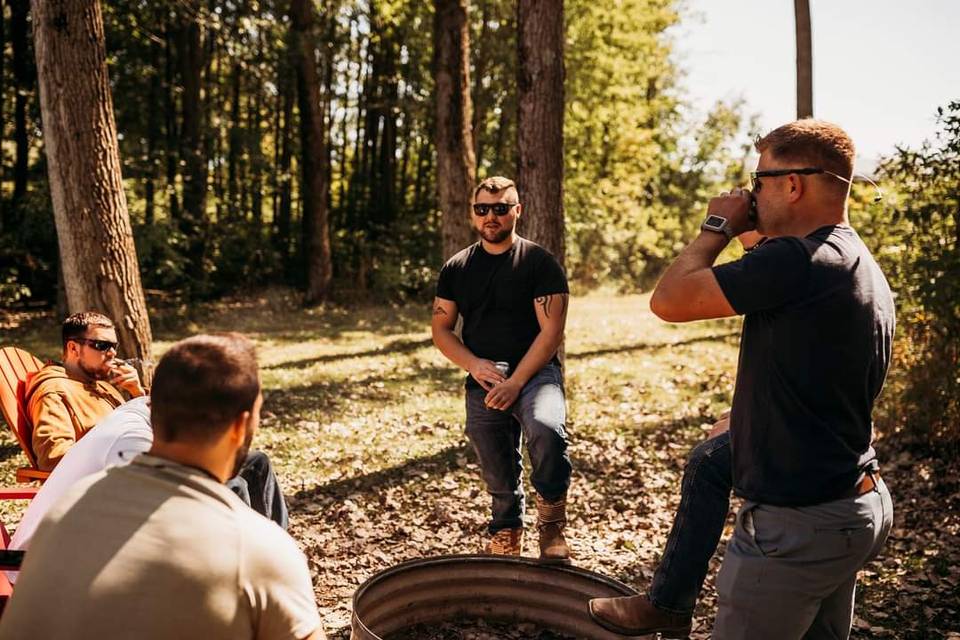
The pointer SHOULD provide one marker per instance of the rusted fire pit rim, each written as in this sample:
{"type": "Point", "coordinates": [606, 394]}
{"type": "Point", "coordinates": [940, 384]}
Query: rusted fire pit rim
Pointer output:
{"type": "Point", "coordinates": [615, 586]}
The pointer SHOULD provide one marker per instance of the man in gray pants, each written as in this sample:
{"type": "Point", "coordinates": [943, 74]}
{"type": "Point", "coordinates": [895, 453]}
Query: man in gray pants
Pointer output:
{"type": "Point", "coordinates": [816, 344]}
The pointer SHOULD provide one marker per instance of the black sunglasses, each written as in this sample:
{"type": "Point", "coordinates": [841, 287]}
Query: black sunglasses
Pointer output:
{"type": "Point", "coordinates": [773, 173]}
{"type": "Point", "coordinates": [99, 345]}
{"type": "Point", "coordinates": [500, 208]}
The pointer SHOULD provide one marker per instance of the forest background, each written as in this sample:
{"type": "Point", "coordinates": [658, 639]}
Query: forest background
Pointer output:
{"type": "Point", "coordinates": [209, 100]}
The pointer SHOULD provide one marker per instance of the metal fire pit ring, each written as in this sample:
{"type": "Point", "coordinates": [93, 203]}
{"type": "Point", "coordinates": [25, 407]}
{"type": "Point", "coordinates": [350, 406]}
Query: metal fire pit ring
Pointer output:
{"type": "Point", "coordinates": [501, 588]}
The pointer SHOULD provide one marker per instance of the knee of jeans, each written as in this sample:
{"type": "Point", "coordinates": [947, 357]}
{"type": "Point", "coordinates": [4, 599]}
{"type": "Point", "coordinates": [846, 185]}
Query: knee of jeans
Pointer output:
{"type": "Point", "coordinates": [545, 433]}
{"type": "Point", "coordinates": [258, 459]}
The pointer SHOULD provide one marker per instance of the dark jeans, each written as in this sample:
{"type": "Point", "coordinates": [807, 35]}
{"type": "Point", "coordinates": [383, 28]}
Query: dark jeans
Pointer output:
{"type": "Point", "coordinates": [256, 484]}
{"type": "Point", "coordinates": [697, 526]}
{"type": "Point", "coordinates": [538, 418]}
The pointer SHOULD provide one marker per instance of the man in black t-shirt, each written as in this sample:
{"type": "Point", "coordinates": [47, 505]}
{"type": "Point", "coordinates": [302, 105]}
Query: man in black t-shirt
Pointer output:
{"type": "Point", "coordinates": [816, 345]}
{"type": "Point", "coordinates": [513, 297]}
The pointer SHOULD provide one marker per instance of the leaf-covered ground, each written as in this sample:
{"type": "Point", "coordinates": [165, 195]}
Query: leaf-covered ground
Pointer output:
{"type": "Point", "coordinates": [363, 419]}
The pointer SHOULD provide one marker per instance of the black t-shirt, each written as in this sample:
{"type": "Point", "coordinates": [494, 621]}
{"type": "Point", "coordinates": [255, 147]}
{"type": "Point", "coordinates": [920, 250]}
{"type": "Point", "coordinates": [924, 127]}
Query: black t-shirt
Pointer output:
{"type": "Point", "coordinates": [816, 345]}
{"type": "Point", "coordinates": [495, 295]}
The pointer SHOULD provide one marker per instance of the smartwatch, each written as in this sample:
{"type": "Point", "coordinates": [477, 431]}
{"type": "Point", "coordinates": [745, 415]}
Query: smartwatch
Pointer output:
{"type": "Point", "coordinates": [717, 224]}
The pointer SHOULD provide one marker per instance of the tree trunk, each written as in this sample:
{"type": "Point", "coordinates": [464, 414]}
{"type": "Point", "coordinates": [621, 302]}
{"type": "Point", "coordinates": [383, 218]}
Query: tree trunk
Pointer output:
{"type": "Point", "coordinates": [314, 186]}
{"type": "Point", "coordinates": [481, 96]}
{"type": "Point", "coordinates": [801, 9]}
{"type": "Point", "coordinates": [233, 147]}
{"type": "Point", "coordinates": [540, 122]}
{"type": "Point", "coordinates": [23, 84]}
{"type": "Point", "coordinates": [284, 205]}
{"type": "Point", "coordinates": [190, 57]}
{"type": "Point", "coordinates": [80, 137]}
{"type": "Point", "coordinates": [170, 124]}
{"type": "Point", "coordinates": [456, 163]}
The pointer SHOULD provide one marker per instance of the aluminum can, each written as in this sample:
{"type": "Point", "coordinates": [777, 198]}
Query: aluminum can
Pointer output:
{"type": "Point", "coordinates": [503, 368]}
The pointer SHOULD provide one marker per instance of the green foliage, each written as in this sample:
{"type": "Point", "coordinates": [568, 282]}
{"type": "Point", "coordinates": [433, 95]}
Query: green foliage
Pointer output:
{"type": "Point", "coordinates": [919, 248]}
{"type": "Point", "coordinates": [639, 170]}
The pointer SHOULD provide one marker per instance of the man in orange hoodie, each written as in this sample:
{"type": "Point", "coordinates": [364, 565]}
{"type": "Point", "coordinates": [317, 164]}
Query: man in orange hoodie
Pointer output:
{"type": "Point", "coordinates": [65, 400]}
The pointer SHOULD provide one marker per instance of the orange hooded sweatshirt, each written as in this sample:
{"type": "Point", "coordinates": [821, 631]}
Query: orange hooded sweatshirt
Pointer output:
{"type": "Point", "coordinates": [62, 410]}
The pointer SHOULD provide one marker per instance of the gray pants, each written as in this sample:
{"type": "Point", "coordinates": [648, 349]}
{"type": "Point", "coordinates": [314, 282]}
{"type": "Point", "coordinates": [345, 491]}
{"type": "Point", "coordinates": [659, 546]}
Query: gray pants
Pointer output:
{"type": "Point", "coordinates": [791, 572]}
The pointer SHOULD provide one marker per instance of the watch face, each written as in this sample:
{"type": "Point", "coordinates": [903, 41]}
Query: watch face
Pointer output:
{"type": "Point", "coordinates": [715, 222]}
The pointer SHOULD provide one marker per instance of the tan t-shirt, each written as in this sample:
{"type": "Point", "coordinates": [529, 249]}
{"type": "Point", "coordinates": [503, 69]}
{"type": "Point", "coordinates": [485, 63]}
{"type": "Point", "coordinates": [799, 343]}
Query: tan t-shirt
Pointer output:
{"type": "Point", "coordinates": [158, 550]}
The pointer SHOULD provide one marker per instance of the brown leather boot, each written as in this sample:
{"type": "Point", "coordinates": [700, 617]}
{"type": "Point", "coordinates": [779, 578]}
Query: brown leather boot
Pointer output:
{"type": "Point", "coordinates": [637, 616]}
{"type": "Point", "coordinates": [551, 521]}
{"type": "Point", "coordinates": [506, 542]}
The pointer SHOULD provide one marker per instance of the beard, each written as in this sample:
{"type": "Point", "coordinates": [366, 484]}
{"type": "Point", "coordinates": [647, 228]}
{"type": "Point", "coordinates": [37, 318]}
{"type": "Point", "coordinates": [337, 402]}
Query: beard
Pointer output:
{"type": "Point", "coordinates": [495, 234]}
{"type": "Point", "coordinates": [241, 455]}
{"type": "Point", "coordinates": [96, 373]}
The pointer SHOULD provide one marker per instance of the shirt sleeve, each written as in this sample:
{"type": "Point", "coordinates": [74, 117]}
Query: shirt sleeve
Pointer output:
{"type": "Point", "coordinates": [549, 277]}
{"type": "Point", "coordinates": [53, 432]}
{"type": "Point", "coordinates": [770, 277]}
{"type": "Point", "coordinates": [446, 283]}
{"type": "Point", "coordinates": [278, 584]}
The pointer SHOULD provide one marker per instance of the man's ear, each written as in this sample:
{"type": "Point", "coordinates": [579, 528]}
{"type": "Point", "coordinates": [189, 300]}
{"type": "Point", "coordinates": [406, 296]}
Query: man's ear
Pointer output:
{"type": "Point", "coordinates": [796, 187]}
{"type": "Point", "coordinates": [238, 428]}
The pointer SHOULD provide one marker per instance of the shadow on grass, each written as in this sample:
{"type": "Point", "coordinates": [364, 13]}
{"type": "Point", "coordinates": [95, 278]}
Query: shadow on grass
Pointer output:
{"type": "Point", "coordinates": [8, 451]}
{"type": "Point", "coordinates": [391, 348]}
{"type": "Point", "coordinates": [436, 464]}
{"type": "Point", "coordinates": [646, 346]}
{"type": "Point", "coordinates": [327, 395]}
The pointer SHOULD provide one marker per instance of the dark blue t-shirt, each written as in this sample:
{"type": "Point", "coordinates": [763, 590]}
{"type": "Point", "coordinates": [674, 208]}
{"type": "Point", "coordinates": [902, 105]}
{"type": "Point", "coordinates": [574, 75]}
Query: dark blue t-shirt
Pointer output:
{"type": "Point", "coordinates": [816, 345]}
{"type": "Point", "coordinates": [495, 295]}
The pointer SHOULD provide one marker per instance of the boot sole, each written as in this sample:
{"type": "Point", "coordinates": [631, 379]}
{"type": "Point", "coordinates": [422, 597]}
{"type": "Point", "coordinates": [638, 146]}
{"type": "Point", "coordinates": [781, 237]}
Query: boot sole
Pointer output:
{"type": "Point", "coordinates": [555, 561]}
{"type": "Point", "coordinates": [676, 633]}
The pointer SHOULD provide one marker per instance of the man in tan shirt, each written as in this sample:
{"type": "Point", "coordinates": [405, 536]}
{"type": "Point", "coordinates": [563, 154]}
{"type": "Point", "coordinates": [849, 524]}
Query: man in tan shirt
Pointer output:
{"type": "Point", "coordinates": [160, 548]}
{"type": "Point", "coordinates": [66, 400]}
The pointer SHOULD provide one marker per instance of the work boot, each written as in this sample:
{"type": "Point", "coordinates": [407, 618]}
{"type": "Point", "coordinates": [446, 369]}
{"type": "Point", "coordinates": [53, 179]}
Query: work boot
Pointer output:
{"type": "Point", "coordinates": [637, 616]}
{"type": "Point", "coordinates": [506, 542]}
{"type": "Point", "coordinates": [551, 520]}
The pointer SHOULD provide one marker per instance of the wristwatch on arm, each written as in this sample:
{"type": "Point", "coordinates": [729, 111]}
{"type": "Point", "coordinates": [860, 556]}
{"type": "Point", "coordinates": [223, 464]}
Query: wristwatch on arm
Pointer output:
{"type": "Point", "coordinates": [717, 224]}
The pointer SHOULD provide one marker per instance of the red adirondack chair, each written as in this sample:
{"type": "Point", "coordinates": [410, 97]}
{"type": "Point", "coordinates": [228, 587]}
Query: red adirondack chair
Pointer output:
{"type": "Point", "coordinates": [16, 365]}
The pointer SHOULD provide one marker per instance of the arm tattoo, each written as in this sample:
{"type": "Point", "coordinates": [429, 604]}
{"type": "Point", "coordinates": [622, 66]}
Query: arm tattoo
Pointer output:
{"type": "Point", "coordinates": [544, 302]}
{"type": "Point", "coordinates": [438, 311]}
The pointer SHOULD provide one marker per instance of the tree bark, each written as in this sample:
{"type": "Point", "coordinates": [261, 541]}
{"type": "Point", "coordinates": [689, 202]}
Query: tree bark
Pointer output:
{"type": "Point", "coordinates": [190, 56]}
{"type": "Point", "coordinates": [801, 10]}
{"type": "Point", "coordinates": [314, 186]}
{"type": "Point", "coordinates": [170, 123]}
{"type": "Point", "coordinates": [456, 162]}
{"type": "Point", "coordinates": [540, 75]}
{"type": "Point", "coordinates": [80, 137]}
{"type": "Point", "coordinates": [23, 83]}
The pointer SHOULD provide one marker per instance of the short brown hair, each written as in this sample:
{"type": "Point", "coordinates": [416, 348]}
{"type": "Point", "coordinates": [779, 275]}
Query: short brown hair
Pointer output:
{"type": "Point", "coordinates": [813, 142]}
{"type": "Point", "coordinates": [494, 185]}
{"type": "Point", "coordinates": [76, 325]}
{"type": "Point", "coordinates": [201, 385]}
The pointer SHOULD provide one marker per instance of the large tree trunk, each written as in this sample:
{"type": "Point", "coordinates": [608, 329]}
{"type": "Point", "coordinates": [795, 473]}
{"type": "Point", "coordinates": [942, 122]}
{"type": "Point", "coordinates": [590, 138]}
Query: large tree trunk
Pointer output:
{"type": "Point", "coordinates": [23, 84]}
{"type": "Point", "coordinates": [80, 137]}
{"type": "Point", "coordinates": [314, 186]}
{"type": "Point", "coordinates": [540, 122]}
{"type": "Point", "coordinates": [456, 162]}
{"type": "Point", "coordinates": [801, 9]}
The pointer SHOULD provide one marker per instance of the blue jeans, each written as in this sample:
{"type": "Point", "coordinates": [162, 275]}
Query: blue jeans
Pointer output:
{"type": "Point", "coordinates": [697, 526]}
{"type": "Point", "coordinates": [256, 484]}
{"type": "Point", "coordinates": [538, 417]}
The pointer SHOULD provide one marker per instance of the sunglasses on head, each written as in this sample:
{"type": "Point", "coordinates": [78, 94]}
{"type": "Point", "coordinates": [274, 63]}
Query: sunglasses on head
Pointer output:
{"type": "Point", "coordinates": [500, 208]}
{"type": "Point", "coordinates": [99, 345]}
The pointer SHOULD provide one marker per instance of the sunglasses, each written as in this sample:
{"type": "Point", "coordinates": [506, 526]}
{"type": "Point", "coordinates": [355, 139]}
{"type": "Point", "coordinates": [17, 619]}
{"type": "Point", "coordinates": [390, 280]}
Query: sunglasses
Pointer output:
{"type": "Point", "coordinates": [99, 345]}
{"type": "Point", "coordinates": [499, 208]}
{"type": "Point", "coordinates": [805, 171]}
